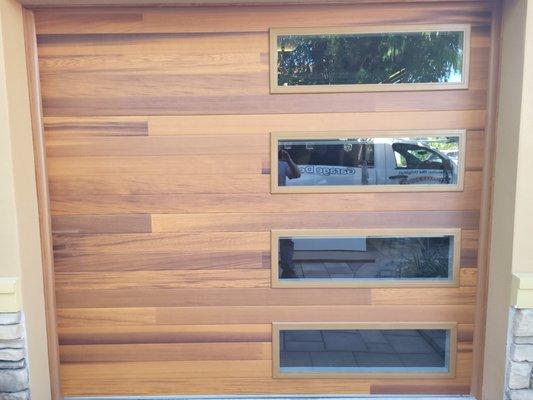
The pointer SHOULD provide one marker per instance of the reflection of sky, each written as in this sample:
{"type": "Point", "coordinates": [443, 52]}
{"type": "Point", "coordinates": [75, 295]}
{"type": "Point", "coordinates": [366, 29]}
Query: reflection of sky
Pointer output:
{"type": "Point", "coordinates": [454, 77]}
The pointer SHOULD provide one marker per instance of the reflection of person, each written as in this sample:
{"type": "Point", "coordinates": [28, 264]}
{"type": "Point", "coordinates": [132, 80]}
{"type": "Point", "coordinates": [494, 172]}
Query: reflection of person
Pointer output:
{"type": "Point", "coordinates": [286, 254]}
{"type": "Point", "coordinates": [287, 168]}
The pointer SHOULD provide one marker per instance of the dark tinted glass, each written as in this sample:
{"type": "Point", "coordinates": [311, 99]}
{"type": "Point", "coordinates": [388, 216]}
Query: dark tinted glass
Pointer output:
{"type": "Point", "coordinates": [369, 161]}
{"type": "Point", "coordinates": [366, 258]}
{"type": "Point", "coordinates": [365, 351]}
{"type": "Point", "coordinates": [375, 58]}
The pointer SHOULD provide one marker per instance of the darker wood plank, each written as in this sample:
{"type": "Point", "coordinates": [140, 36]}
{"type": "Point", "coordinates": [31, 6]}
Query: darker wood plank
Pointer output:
{"type": "Point", "coordinates": [94, 127]}
{"type": "Point", "coordinates": [156, 261]}
{"type": "Point", "coordinates": [221, 333]}
{"type": "Point", "coordinates": [118, 223]}
{"type": "Point", "coordinates": [448, 388]}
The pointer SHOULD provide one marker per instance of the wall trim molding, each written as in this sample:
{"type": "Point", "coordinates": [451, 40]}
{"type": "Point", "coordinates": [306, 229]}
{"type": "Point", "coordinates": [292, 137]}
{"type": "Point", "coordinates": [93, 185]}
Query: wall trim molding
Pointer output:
{"type": "Point", "coordinates": [10, 297]}
{"type": "Point", "coordinates": [522, 290]}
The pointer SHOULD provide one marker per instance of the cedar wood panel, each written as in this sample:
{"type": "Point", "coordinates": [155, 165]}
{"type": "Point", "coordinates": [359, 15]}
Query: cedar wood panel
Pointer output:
{"type": "Point", "coordinates": [157, 127]}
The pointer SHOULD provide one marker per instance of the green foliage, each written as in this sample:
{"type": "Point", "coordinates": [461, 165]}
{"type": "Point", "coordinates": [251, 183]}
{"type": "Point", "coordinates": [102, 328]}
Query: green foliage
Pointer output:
{"type": "Point", "coordinates": [376, 58]}
{"type": "Point", "coordinates": [431, 259]}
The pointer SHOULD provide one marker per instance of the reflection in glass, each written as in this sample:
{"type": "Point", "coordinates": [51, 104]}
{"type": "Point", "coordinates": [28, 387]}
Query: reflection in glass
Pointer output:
{"type": "Point", "coordinates": [369, 161]}
{"type": "Point", "coordinates": [370, 58]}
{"type": "Point", "coordinates": [365, 350]}
{"type": "Point", "coordinates": [366, 258]}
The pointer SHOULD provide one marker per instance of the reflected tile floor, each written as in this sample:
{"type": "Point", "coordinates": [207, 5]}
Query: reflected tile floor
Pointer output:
{"type": "Point", "coordinates": [362, 348]}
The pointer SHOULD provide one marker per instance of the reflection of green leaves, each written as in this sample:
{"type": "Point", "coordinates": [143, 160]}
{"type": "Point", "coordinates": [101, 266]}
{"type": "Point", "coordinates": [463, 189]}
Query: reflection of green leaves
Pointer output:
{"type": "Point", "coordinates": [429, 260]}
{"type": "Point", "coordinates": [442, 143]}
{"type": "Point", "coordinates": [380, 58]}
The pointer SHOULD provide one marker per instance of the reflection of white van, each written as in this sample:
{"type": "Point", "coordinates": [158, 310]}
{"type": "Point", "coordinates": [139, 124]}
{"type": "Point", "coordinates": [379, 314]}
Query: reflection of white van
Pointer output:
{"type": "Point", "coordinates": [384, 161]}
{"type": "Point", "coordinates": [453, 154]}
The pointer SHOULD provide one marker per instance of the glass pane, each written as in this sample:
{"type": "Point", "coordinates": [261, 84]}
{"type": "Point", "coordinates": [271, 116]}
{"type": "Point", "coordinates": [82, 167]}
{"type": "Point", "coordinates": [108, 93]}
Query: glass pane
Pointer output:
{"type": "Point", "coordinates": [370, 58]}
{"type": "Point", "coordinates": [365, 350]}
{"type": "Point", "coordinates": [370, 258]}
{"type": "Point", "coordinates": [369, 161]}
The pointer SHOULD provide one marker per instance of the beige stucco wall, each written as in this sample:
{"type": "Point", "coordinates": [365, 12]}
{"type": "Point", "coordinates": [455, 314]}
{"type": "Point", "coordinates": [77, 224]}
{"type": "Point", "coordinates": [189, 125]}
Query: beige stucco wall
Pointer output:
{"type": "Point", "coordinates": [19, 230]}
{"type": "Point", "coordinates": [512, 221]}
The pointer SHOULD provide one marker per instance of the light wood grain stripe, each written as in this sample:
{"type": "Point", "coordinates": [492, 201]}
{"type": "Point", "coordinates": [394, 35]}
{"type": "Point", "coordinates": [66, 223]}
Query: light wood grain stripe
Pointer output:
{"type": "Point", "coordinates": [260, 315]}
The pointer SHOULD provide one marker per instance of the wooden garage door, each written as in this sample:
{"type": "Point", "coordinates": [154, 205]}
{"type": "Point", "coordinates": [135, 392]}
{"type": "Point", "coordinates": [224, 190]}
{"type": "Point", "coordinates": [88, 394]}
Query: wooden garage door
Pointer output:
{"type": "Point", "coordinates": [157, 126]}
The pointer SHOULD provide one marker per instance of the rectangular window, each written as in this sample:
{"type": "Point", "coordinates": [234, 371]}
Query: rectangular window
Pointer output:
{"type": "Point", "coordinates": [305, 350]}
{"type": "Point", "coordinates": [367, 161]}
{"type": "Point", "coordinates": [369, 59]}
{"type": "Point", "coordinates": [354, 258]}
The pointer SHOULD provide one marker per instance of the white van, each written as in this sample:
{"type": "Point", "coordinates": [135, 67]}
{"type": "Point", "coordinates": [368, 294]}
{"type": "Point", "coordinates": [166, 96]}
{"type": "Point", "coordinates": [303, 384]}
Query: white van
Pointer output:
{"type": "Point", "coordinates": [379, 161]}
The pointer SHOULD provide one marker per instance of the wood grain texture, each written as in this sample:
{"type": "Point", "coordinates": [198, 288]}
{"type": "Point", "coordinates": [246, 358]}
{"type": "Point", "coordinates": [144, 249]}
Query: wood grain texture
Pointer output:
{"type": "Point", "coordinates": [264, 202]}
{"type": "Point", "coordinates": [119, 223]}
{"type": "Point", "coordinates": [166, 352]}
{"type": "Point", "coordinates": [149, 297]}
{"type": "Point", "coordinates": [156, 261]}
{"type": "Point", "coordinates": [157, 128]}
{"type": "Point", "coordinates": [248, 124]}
{"type": "Point", "coordinates": [138, 334]}
{"type": "Point", "coordinates": [200, 20]}
{"type": "Point", "coordinates": [261, 314]}
{"type": "Point", "coordinates": [169, 74]}
{"type": "Point", "coordinates": [269, 221]}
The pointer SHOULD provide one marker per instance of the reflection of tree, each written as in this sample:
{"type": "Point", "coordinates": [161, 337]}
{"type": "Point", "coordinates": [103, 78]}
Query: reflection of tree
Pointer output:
{"type": "Point", "coordinates": [430, 259]}
{"type": "Point", "coordinates": [380, 58]}
{"type": "Point", "coordinates": [442, 143]}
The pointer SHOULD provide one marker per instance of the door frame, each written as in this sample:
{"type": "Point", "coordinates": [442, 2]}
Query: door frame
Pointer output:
{"type": "Point", "coordinates": [43, 198]}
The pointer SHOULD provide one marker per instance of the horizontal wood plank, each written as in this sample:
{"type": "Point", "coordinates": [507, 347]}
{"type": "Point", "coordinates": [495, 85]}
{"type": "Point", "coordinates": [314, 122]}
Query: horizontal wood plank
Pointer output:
{"type": "Point", "coordinates": [469, 199]}
{"type": "Point", "coordinates": [88, 127]}
{"type": "Point", "coordinates": [259, 124]}
{"type": "Point", "coordinates": [200, 279]}
{"type": "Point", "coordinates": [356, 220]}
{"type": "Point", "coordinates": [157, 261]}
{"type": "Point", "coordinates": [80, 380]}
{"type": "Point", "coordinates": [192, 241]}
{"type": "Point", "coordinates": [200, 20]}
{"type": "Point", "coordinates": [120, 223]}
{"type": "Point", "coordinates": [261, 314]}
{"type": "Point", "coordinates": [188, 297]}
{"type": "Point", "coordinates": [224, 351]}
{"type": "Point", "coordinates": [139, 334]}
{"type": "Point", "coordinates": [102, 298]}
{"type": "Point", "coordinates": [184, 164]}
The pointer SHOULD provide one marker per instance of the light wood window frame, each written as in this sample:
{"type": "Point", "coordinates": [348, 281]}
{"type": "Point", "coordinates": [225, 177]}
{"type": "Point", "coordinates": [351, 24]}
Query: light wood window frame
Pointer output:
{"type": "Point", "coordinates": [283, 326]}
{"type": "Point", "coordinates": [275, 137]}
{"type": "Point", "coordinates": [368, 87]}
{"type": "Point", "coordinates": [276, 282]}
